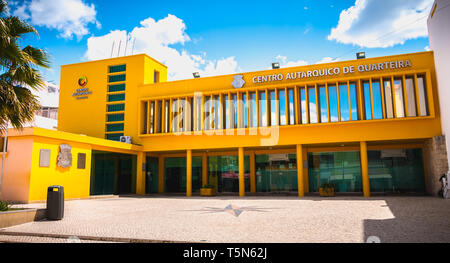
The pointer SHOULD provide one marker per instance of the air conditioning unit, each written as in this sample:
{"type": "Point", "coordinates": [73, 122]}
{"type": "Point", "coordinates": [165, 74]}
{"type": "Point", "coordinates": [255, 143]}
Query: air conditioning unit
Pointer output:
{"type": "Point", "coordinates": [125, 139]}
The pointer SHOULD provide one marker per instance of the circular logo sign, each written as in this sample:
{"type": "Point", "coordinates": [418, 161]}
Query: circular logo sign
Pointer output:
{"type": "Point", "coordinates": [82, 81]}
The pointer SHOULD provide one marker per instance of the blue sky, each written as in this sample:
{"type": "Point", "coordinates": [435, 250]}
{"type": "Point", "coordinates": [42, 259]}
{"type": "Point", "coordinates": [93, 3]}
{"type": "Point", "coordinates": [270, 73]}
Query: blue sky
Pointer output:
{"type": "Point", "coordinates": [221, 37]}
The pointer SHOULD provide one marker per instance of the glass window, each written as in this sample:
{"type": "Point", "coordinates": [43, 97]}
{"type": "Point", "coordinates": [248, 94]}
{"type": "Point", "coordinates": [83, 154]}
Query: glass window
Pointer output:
{"type": "Point", "coordinates": [252, 110]}
{"type": "Point", "coordinates": [215, 111]}
{"type": "Point", "coordinates": [343, 102]}
{"type": "Point", "coordinates": [223, 173]}
{"type": "Point", "coordinates": [159, 116]}
{"type": "Point", "coordinates": [207, 112]}
{"type": "Point", "coordinates": [116, 78]}
{"type": "Point", "coordinates": [262, 109]}
{"type": "Point", "coordinates": [115, 117]}
{"type": "Point", "coordinates": [156, 76]}
{"type": "Point", "coordinates": [166, 116]}
{"type": "Point", "coordinates": [422, 95]}
{"type": "Point", "coordinates": [273, 109]}
{"type": "Point", "coordinates": [388, 98]}
{"type": "Point", "coordinates": [312, 105]}
{"type": "Point", "coordinates": [377, 106]}
{"type": "Point", "coordinates": [332, 97]}
{"type": "Point", "coordinates": [343, 169]}
{"type": "Point", "coordinates": [198, 113]}
{"type": "Point", "coordinates": [152, 117]}
{"type": "Point", "coordinates": [226, 112]}
{"type": "Point", "coordinates": [114, 127]}
{"type": "Point", "coordinates": [396, 171]}
{"type": "Point", "coordinates": [116, 97]}
{"type": "Point", "coordinates": [276, 173]}
{"type": "Point", "coordinates": [323, 104]}
{"type": "Point", "coordinates": [116, 107]}
{"type": "Point", "coordinates": [398, 91]}
{"type": "Point", "coordinates": [116, 88]}
{"type": "Point", "coordinates": [410, 96]}
{"type": "Point", "coordinates": [282, 104]}
{"type": "Point", "coordinates": [291, 101]}
{"type": "Point", "coordinates": [190, 108]}
{"type": "Point", "coordinates": [175, 174]}
{"type": "Point", "coordinates": [114, 136]}
{"type": "Point", "coordinates": [144, 127]}
{"type": "Point", "coordinates": [181, 114]}
{"type": "Point", "coordinates": [367, 101]}
{"type": "Point", "coordinates": [302, 95]}
{"type": "Point", "coordinates": [244, 108]}
{"type": "Point", "coordinates": [353, 102]}
{"type": "Point", "coordinates": [174, 115]}
{"type": "Point", "coordinates": [118, 68]}
{"type": "Point", "coordinates": [234, 112]}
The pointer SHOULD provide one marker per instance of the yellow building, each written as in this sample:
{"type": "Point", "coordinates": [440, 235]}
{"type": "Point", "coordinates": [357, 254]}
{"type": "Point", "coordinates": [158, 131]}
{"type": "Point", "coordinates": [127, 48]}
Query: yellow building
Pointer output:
{"type": "Point", "coordinates": [365, 126]}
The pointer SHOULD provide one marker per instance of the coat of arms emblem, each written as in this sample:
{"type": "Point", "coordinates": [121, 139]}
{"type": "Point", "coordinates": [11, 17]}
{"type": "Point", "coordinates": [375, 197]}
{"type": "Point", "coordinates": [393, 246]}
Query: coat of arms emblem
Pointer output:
{"type": "Point", "coordinates": [65, 156]}
{"type": "Point", "coordinates": [238, 81]}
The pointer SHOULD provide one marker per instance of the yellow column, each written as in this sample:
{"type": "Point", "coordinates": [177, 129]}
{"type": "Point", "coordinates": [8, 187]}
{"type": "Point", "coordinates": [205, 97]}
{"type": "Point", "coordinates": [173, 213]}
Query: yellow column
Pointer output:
{"type": "Point", "coordinates": [300, 182]}
{"type": "Point", "coordinates": [189, 173]}
{"type": "Point", "coordinates": [252, 173]}
{"type": "Point", "coordinates": [241, 172]}
{"type": "Point", "coordinates": [365, 170]}
{"type": "Point", "coordinates": [305, 170]}
{"type": "Point", "coordinates": [161, 174]}
{"type": "Point", "coordinates": [140, 174]}
{"type": "Point", "coordinates": [204, 169]}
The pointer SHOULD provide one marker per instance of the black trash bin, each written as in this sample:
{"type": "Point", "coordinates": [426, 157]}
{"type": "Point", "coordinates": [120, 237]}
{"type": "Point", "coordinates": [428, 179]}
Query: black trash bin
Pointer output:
{"type": "Point", "coordinates": [55, 202]}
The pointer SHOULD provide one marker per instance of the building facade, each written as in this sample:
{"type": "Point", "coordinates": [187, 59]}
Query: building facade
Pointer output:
{"type": "Point", "coordinates": [365, 126]}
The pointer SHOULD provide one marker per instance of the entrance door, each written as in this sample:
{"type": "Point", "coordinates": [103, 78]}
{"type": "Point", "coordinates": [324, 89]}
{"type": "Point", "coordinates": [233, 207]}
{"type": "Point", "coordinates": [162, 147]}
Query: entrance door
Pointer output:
{"type": "Point", "coordinates": [151, 178]}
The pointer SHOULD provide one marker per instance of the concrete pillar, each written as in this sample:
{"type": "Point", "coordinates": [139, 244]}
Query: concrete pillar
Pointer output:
{"type": "Point", "coordinates": [160, 174]}
{"type": "Point", "coordinates": [204, 169]}
{"type": "Point", "coordinates": [365, 169]}
{"type": "Point", "coordinates": [252, 173]}
{"type": "Point", "coordinates": [241, 172]}
{"type": "Point", "coordinates": [189, 173]}
{"type": "Point", "coordinates": [140, 173]}
{"type": "Point", "coordinates": [305, 170]}
{"type": "Point", "coordinates": [300, 177]}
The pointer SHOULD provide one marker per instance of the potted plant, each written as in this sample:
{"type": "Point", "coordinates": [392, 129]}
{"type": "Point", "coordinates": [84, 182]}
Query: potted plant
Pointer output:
{"type": "Point", "coordinates": [326, 189]}
{"type": "Point", "coordinates": [208, 190]}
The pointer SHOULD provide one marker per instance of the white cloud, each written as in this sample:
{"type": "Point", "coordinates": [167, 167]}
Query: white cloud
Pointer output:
{"type": "Point", "coordinates": [427, 48]}
{"type": "Point", "coordinates": [382, 23]}
{"type": "Point", "coordinates": [156, 38]}
{"type": "Point", "coordinates": [69, 17]}
{"type": "Point", "coordinates": [285, 63]}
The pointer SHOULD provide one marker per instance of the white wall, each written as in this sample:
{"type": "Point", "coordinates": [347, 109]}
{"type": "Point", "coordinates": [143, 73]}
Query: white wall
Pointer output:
{"type": "Point", "coordinates": [439, 37]}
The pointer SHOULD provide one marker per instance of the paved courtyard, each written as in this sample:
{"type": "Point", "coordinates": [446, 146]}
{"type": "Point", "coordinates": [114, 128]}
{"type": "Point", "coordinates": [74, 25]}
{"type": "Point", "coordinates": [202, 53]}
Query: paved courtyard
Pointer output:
{"type": "Point", "coordinates": [250, 219]}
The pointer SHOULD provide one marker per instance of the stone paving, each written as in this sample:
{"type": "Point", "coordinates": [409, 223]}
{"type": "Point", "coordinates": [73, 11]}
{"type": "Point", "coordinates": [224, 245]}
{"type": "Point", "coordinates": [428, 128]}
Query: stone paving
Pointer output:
{"type": "Point", "coordinates": [251, 219]}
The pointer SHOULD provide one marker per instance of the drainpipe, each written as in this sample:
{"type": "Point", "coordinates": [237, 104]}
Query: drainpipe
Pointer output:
{"type": "Point", "coordinates": [3, 158]}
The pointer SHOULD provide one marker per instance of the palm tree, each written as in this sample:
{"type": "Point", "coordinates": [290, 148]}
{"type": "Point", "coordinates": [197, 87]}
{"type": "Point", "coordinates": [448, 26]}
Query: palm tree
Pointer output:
{"type": "Point", "coordinates": [18, 71]}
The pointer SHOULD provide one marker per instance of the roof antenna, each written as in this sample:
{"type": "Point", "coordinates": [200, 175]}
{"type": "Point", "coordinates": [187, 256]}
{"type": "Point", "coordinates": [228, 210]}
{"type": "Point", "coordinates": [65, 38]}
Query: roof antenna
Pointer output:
{"type": "Point", "coordinates": [112, 49]}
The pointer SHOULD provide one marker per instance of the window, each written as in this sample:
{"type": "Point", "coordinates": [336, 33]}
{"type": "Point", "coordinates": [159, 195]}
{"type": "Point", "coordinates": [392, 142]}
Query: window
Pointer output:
{"type": "Point", "coordinates": [118, 68]}
{"type": "Point", "coordinates": [116, 97]}
{"type": "Point", "coordinates": [156, 76]}
{"type": "Point", "coordinates": [207, 112]}
{"type": "Point", "coordinates": [303, 105]}
{"type": "Point", "coordinates": [367, 101]}
{"type": "Point", "coordinates": [234, 113]}
{"type": "Point", "coordinates": [114, 136]}
{"type": "Point", "coordinates": [312, 105]}
{"type": "Point", "coordinates": [410, 96]}
{"type": "Point", "coordinates": [115, 117]}
{"type": "Point", "coordinates": [332, 100]}
{"type": "Point", "coordinates": [377, 107]}
{"type": "Point", "coordinates": [422, 95]}
{"type": "Point", "coordinates": [262, 109]}
{"type": "Point", "coordinates": [116, 88]}
{"type": "Point", "coordinates": [116, 107]}
{"type": "Point", "coordinates": [252, 110]}
{"type": "Point", "coordinates": [152, 117]}
{"type": "Point", "coordinates": [244, 115]}
{"type": "Point", "coordinates": [291, 101]}
{"type": "Point", "coordinates": [144, 127]}
{"type": "Point", "coordinates": [166, 116]}
{"type": "Point", "coordinates": [81, 161]}
{"type": "Point", "coordinates": [344, 102]}
{"type": "Point", "coordinates": [114, 127]}
{"type": "Point", "coordinates": [282, 104]}
{"type": "Point", "coordinates": [2, 141]}
{"type": "Point", "coordinates": [215, 111]}
{"type": "Point", "coordinates": [398, 95]}
{"type": "Point", "coordinates": [116, 78]}
{"type": "Point", "coordinates": [158, 116]}
{"type": "Point", "coordinates": [226, 113]}
{"type": "Point", "coordinates": [388, 98]}
{"type": "Point", "coordinates": [323, 104]}
{"type": "Point", "coordinates": [353, 102]}
{"type": "Point", "coordinates": [198, 113]}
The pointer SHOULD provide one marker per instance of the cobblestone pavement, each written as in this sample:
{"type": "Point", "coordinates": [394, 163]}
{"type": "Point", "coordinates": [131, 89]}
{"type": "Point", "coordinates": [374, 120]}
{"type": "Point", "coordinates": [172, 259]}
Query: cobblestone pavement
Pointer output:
{"type": "Point", "coordinates": [251, 219]}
